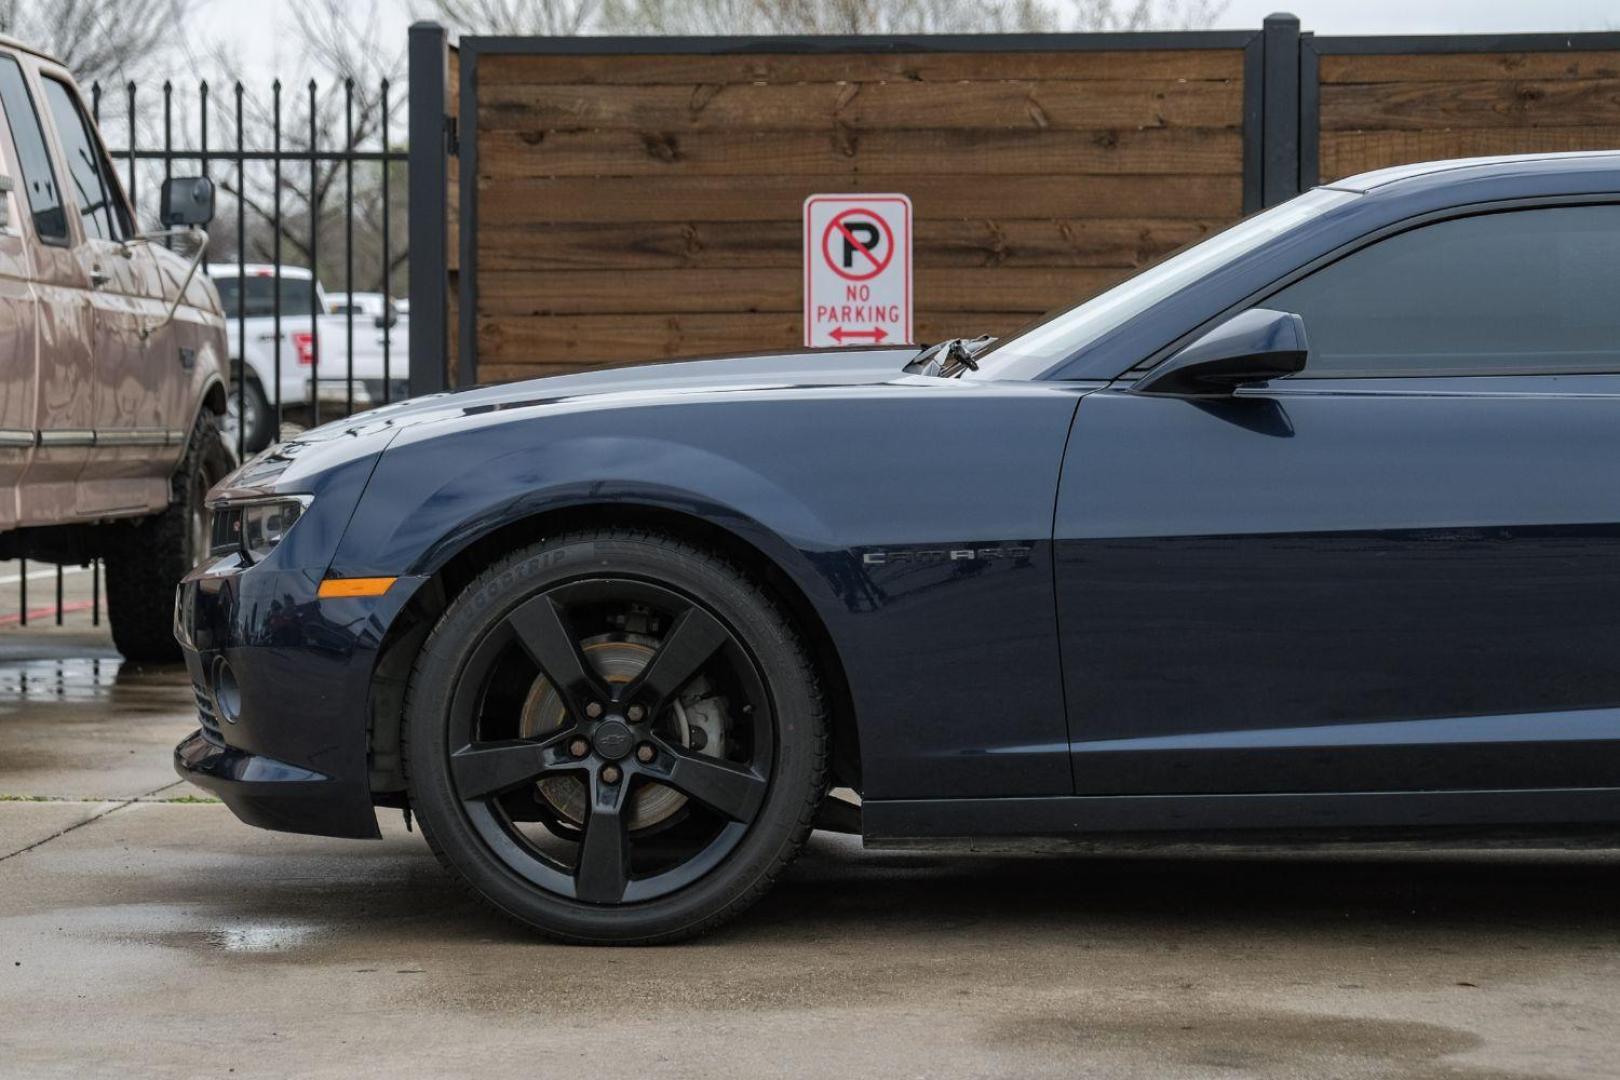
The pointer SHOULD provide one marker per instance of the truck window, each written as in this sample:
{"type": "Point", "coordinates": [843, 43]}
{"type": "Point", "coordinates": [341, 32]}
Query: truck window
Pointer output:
{"type": "Point", "coordinates": [297, 296]}
{"type": "Point", "coordinates": [100, 204]}
{"type": "Point", "coordinates": [38, 178]}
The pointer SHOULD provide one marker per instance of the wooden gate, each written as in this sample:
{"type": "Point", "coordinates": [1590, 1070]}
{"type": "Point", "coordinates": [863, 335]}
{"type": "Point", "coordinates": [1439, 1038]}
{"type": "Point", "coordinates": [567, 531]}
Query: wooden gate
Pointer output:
{"type": "Point", "coordinates": [603, 201]}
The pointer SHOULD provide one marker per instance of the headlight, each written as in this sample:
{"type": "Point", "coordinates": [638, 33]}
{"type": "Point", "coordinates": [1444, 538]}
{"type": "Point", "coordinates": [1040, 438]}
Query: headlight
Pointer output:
{"type": "Point", "coordinates": [254, 528]}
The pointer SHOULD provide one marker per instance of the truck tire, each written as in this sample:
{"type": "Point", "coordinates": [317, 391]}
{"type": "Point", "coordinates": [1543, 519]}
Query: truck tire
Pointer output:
{"type": "Point", "coordinates": [253, 416]}
{"type": "Point", "coordinates": [148, 560]}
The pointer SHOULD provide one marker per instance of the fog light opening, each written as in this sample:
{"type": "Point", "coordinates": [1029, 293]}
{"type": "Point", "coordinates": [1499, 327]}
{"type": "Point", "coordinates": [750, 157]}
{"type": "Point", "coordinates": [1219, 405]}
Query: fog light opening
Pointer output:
{"type": "Point", "coordinates": [227, 694]}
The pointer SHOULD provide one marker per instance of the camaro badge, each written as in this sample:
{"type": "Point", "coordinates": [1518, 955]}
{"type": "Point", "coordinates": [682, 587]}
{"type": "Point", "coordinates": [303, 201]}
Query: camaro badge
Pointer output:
{"type": "Point", "coordinates": [955, 554]}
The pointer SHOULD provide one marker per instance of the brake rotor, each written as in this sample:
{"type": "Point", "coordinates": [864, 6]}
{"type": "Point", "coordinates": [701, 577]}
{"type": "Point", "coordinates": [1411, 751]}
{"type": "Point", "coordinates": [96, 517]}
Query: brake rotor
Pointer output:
{"type": "Point", "coordinates": [616, 661]}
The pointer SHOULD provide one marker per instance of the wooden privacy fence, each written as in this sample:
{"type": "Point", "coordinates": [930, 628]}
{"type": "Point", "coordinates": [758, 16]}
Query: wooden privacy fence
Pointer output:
{"type": "Point", "coordinates": [597, 201]}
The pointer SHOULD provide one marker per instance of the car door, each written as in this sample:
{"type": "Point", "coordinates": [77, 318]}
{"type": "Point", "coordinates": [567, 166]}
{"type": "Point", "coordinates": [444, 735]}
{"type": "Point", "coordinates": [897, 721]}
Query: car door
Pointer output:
{"type": "Point", "coordinates": [128, 467]}
{"type": "Point", "coordinates": [63, 404]}
{"type": "Point", "coordinates": [18, 360]}
{"type": "Point", "coordinates": [1397, 571]}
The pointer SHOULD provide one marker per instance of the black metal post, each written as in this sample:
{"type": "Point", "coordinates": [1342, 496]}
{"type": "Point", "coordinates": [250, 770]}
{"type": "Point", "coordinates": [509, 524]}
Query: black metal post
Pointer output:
{"type": "Point", "coordinates": [429, 182]}
{"type": "Point", "coordinates": [202, 112]}
{"type": "Point", "coordinates": [1310, 113]}
{"type": "Point", "coordinates": [134, 139]}
{"type": "Point", "coordinates": [466, 151]}
{"type": "Point", "coordinates": [314, 264]}
{"type": "Point", "coordinates": [1281, 139]}
{"type": "Point", "coordinates": [1254, 122]}
{"type": "Point", "coordinates": [168, 143]}
{"type": "Point", "coordinates": [275, 140]}
{"type": "Point", "coordinates": [348, 237]}
{"type": "Point", "coordinates": [387, 266]}
{"type": "Point", "coordinates": [241, 285]}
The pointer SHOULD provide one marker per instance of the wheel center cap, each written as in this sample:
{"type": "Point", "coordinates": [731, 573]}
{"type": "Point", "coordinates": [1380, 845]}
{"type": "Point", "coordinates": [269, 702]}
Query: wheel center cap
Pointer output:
{"type": "Point", "coordinates": [613, 739]}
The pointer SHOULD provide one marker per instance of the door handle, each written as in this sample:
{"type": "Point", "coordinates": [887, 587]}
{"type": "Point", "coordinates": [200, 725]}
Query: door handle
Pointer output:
{"type": "Point", "coordinates": [99, 277]}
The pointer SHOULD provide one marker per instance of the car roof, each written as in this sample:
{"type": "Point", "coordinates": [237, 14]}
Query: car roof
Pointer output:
{"type": "Point", "coordinates": [8, 42]}
{"type": "Point", "coordinates": [1532, 164]}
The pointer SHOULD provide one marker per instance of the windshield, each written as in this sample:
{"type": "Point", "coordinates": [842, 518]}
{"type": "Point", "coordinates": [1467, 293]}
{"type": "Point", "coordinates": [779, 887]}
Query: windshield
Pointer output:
{"type": "Point", "coordinates": [1057, 337]}
{"type": "Point", "coordinates": [297, 296]}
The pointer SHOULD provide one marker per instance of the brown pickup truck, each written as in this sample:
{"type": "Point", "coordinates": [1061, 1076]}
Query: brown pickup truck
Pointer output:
{"type": "Point", "coordinates": [112, 360]}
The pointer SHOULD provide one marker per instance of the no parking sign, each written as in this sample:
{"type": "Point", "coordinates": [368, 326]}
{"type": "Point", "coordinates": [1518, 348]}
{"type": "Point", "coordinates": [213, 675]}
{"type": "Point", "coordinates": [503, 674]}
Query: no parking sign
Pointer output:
{"type": "Point", "coordinates": [857, 270]}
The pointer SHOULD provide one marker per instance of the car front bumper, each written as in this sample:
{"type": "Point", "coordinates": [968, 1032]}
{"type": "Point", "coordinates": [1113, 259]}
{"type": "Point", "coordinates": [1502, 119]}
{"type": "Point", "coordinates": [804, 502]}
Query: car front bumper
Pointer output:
{"type": "Point", "coordinates": [282, 681]}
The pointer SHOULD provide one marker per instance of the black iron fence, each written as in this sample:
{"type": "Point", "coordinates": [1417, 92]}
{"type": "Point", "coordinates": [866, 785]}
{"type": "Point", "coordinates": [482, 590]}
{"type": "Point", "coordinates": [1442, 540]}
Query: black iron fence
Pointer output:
{"type": "Point", "coordinates": [54, 579]}
{"type": "Point", "coordinates": [331, 159]}
{"type": "Point", "coordinates": [312, 188]}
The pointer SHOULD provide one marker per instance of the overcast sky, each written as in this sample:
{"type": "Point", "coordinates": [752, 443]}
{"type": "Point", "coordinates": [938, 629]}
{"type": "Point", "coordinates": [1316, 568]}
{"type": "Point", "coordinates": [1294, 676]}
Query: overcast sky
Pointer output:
{"type": "Point", "coordinates": [261, 31]}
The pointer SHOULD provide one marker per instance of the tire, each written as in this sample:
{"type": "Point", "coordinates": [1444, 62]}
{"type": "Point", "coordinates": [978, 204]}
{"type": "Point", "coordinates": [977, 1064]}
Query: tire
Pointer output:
{"type": "Point", "coordinates": [731, 733]}
{"type": "Point", "coordinates": [148, 560]}
{"type": "Point", "coordinates": [247, 406]}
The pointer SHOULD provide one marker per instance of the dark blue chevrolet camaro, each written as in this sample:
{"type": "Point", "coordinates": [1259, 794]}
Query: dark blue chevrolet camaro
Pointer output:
{"type": "Point", "coordinates": [1314, 526]}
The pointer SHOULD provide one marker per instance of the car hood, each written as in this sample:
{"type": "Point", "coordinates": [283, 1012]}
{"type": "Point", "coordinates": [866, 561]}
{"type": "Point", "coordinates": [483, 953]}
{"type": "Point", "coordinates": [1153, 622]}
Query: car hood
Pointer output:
{"type": "Point", "coordinates": [293, 464]}
{"type": "Point", "coordinates": [735, 374]}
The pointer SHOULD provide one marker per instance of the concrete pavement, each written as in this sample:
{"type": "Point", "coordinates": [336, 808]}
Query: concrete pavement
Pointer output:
{"type": "Point", "coordinates": [145, 933]}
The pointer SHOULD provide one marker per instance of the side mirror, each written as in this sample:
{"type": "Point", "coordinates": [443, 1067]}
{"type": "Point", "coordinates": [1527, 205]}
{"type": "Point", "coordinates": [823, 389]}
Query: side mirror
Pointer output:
{"type": "Point", "coordinates": [187, 202]}
{"type": "Point", "coordinates": [1254, 346]}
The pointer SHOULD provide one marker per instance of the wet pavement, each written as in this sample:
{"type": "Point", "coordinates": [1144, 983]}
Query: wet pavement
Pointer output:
{"type": "Point", "coordinates": [143, 931]}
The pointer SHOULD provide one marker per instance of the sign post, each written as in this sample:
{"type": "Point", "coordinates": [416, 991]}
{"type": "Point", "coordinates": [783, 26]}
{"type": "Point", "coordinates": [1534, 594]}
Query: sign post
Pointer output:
{"type": "Point", "coordinates": [857, 270]}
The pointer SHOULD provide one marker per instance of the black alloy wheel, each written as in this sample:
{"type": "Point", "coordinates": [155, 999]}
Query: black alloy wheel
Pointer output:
{"type": "Point", "coordinates": [615, 737]}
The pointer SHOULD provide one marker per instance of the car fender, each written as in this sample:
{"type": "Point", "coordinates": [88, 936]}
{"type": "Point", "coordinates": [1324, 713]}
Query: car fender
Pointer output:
{"type": "Point", "coordinates": [644, 472]}
{"type": "Point", "coordinates": [915, 519]}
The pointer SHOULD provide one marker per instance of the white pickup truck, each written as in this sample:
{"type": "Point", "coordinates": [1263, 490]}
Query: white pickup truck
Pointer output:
{"type": "Point", "coordinates": [313, 350]}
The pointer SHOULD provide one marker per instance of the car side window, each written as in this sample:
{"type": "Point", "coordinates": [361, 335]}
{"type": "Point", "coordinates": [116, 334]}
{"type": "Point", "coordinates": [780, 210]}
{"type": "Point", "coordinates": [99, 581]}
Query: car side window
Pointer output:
{"type": "Point", "coordinates": [38, 176]}
{"type": "Point", "coordinates": [1523, 291]}
{"type": "Point", "coordinates": [100, 204]}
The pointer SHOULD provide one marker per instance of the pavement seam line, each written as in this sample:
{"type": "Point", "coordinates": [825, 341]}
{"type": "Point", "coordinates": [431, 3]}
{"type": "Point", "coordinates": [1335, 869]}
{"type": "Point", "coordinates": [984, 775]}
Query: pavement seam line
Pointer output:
{"type": "Point", "coordinates": [93, 818]}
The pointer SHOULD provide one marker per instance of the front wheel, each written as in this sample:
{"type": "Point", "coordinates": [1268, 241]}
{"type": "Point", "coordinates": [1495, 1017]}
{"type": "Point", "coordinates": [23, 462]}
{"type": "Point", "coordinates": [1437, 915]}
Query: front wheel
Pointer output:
{"type": "Point", "coordinates": [615, 737]}
{"type": "Point", "coordinates": [147, 560]}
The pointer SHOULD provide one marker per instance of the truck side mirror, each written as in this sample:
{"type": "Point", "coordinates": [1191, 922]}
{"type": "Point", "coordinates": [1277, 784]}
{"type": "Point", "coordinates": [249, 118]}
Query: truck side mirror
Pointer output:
{"type": "Point", "coordinates": [6, 187]}
{"type": "Point", "coordinates": [187, 202]}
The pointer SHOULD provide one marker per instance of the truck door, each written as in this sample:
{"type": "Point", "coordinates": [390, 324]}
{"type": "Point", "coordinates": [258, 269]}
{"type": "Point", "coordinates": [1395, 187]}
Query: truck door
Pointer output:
{"type": "Point", "coordinates": [17, 357]}
{"type": "Point", "coordinates": [61, 409]}
{"type": "Point", "coordinates": [128, 469]}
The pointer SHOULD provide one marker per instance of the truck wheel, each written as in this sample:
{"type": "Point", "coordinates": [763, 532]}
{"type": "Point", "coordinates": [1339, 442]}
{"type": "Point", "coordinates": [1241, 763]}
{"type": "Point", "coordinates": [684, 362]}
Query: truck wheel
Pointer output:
{"type": "Point", "coordinates": [248, 409]}
{"type": "Point", "coordinates": [146, 563]}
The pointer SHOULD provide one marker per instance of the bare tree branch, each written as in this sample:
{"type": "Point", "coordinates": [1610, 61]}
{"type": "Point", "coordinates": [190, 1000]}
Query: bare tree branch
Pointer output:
{"type": "Point", "coordinates": [551, 18]}
{"type": "Point", "coordinates": [828, 16]}
{"type": "Point", "coordinates": [97, 40]}
{"type": "Point", "coordinates": [700, 17]}
{"type": "Point", "coordinates": [1104, 15]}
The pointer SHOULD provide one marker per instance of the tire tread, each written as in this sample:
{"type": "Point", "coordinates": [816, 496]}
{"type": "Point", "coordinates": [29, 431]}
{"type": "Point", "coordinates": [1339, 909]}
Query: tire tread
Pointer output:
{"type": "Point", "coordinates": [145, 561]}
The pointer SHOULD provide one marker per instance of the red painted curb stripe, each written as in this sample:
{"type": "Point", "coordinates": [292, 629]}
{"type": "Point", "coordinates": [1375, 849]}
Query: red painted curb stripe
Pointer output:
{"type": "Point", "coordinates": [46, 612]}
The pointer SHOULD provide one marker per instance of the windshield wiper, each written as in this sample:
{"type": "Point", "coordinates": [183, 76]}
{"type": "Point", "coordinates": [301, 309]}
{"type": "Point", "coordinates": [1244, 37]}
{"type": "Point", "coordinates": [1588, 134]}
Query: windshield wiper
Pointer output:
{"type": "Point", "coordinates": [950, 357]}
